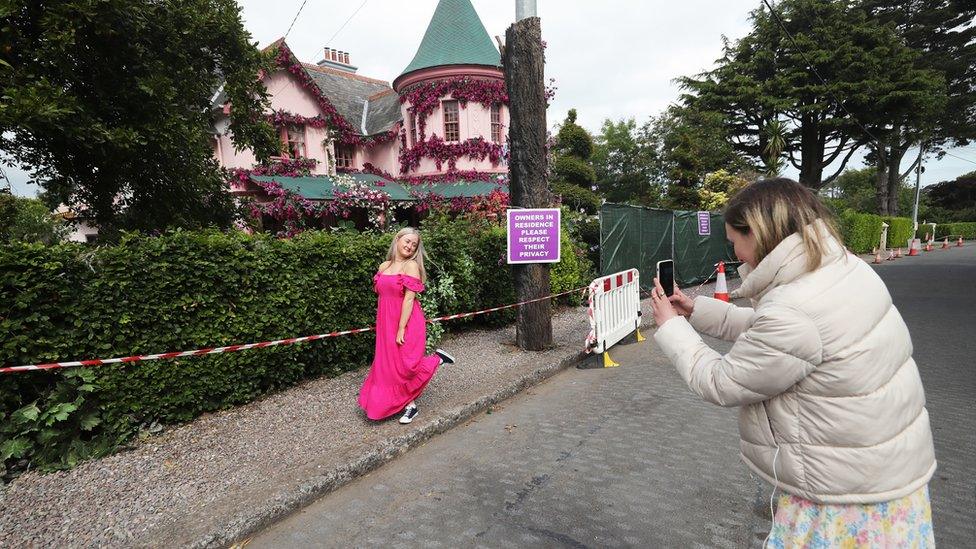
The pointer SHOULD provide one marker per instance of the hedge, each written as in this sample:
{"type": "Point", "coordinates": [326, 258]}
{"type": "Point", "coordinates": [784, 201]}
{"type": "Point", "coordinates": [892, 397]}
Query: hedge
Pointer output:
{"type": "Point", "coordinates": [861, 232]}
{"type": "Point", "coordinates": [967, 230]}
{"type": "Point", "coordinates": [900, 229]}
{"type": "Point", "coordinates": [187, 290]}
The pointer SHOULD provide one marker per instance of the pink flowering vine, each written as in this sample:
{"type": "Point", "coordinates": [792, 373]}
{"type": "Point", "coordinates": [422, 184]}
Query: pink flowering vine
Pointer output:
{"type": "Point", "coordinates": [426, 96]}
{"type": "Point", "coordinates": [346, 132]}
{"type": "Point", "coordinates": [443, 152]}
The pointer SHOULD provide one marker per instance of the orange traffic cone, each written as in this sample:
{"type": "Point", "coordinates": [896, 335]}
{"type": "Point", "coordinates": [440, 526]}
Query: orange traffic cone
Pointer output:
{"type": "Point", "coordinates": [877, 257]}
{"type": "Point", "coordinates": [913, 247]}
{"type": "Point", "coordinates": [898, 253]}
{"type": "Point", "coordinates": [928, 246]}
{"type": "Point", "coordinates": [945, 244]}
{"type": "Point", "coordinates": [721, 287]}
{"type": "Point", "coordinates": [959, 243]}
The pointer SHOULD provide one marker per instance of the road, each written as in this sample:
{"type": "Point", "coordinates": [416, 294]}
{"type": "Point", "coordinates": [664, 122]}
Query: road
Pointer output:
{"type": "Point", "coordinates": [628, 457]}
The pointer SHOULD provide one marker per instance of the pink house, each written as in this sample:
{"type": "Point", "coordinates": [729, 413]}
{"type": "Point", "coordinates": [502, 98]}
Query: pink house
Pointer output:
{"type": "Point", "coordinates": [439, 129]}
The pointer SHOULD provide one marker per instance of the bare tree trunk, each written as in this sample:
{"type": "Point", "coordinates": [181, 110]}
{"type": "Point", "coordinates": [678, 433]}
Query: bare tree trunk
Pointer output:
{"type": "Point", "coordinates": [811, 153]}
{"type": "Point", "coordinates": [881, 179]}
{"type": "Point", "coordinates": [894, 179]}
{"type": "Point", "coordinates": [525, 80]}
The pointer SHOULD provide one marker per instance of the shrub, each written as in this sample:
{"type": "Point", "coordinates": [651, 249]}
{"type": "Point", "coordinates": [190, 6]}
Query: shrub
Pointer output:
{"type": "Point", "coordinates": [900, 229]}
{"type": "Point", "coordinates": [574, 170]}
{"type": "Point", "coordinates": [577, 197]}
{"type": "Point", "coordinates": [861, 232]}
{"type": "Point", "coordinates": [186, 290]}
{"type": "Point", "coordinates": [967, 230]}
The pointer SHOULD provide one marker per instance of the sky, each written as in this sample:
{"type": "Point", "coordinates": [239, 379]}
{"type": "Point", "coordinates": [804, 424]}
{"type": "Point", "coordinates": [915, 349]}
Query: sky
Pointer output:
{"type": "Point", "coordinates": [613, 59]}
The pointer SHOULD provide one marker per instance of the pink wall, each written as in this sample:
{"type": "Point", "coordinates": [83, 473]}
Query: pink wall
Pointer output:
{"type": "Point", "coordinates": [473, 121]}
{"type": "Point", "coordinates": [287, 95]}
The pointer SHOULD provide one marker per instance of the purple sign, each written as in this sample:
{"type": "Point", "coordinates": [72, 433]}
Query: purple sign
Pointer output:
{"type": "Point", "coordinates": [533, 236]}
{"type": "Point", "coordinates": [704, 224]}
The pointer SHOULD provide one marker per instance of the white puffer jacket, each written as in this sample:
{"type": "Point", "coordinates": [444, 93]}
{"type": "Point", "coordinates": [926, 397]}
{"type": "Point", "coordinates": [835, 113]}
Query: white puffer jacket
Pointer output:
{"type": "Point", "coordinates": [822, 369]}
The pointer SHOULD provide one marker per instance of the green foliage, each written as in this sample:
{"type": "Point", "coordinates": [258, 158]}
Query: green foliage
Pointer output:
{"type": "Point", "coordinates": [953, 200]}
{"type": "Point", "coordinates": [28, 220]}
{"type": "Point", "coordinates": [109, 102]}
{"type": "Point", "coordinates": [573, 139]}
{"type": "Point", "coordinates": [576, 197]}
{"type": "Point", "coordinates": [900, 229]}
{"type": "Point", "coordinates": [765, 77]}
{"type": "Point", "coordinates": [967, 230]}
{"type": "Point", "coordinates": [718, 188]}
{"type": "Point", "coordinates": [574, 170]}
{"type": "Point", "coordinates": [861, 232]}
{"type": "Point", "coordinates": [187, 290]}
{"type": "Point", "coordinates": [627, 164]}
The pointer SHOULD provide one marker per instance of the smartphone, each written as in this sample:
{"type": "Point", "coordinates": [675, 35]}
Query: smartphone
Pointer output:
{"type": "Point", "coordinates": [665, 275]}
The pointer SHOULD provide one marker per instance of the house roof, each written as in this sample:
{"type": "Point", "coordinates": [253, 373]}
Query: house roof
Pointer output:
{"type": "Point", "coordinates": [349, 94]}
{"type": "Point", "coordinates": [383, 113]}
{"type": "Point", "coordinates": [455, 36]}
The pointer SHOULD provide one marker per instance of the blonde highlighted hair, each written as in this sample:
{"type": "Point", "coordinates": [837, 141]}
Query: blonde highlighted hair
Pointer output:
{"type": "Point", "coordinates": [774, 209]}
{"type": "Point", "coordinates": [418, 255]}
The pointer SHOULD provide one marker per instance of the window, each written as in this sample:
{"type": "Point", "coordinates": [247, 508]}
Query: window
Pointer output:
{"type": "Point", "coordinates": [295, 141]}
{"type": "Point", "coordinates": [413, 129]}
{"type": "Point", "coordinates": [452, 131]}
{"type": "Point", "coordinates": [496, 122]}
{"type": "Point", "coordinates": [344, 156]}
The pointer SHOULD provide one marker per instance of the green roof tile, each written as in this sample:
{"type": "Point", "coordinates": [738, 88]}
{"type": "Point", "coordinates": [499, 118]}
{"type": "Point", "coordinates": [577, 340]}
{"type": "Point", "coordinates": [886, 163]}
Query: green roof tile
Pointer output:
{"type": "Point", "coordinates": [455, 36]}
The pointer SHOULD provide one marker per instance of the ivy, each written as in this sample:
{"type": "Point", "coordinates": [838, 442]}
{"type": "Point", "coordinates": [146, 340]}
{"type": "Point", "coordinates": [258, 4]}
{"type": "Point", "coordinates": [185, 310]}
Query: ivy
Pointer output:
{"type": "Point", "coordinates": [426, 96]}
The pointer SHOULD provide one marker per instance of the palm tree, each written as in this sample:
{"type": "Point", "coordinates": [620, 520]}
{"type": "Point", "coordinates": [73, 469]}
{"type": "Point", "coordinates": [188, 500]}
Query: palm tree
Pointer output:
{"type": "Point", "coordinates": [776, 141]}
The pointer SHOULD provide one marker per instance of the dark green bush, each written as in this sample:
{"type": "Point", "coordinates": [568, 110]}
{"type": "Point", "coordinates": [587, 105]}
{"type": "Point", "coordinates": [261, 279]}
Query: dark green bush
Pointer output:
{"type": "Point", "coordinates": [900, 229]}
{"type": "Point", "coordinates": [861, 232]}
{"type": "Point", "coordinates": [574, 170]}
{"type": "Point", "coordinates": [577, 197]}
{"type": "Point", "coordinates": [967, 230]}
{"type": "Point", "coordinates": [189, 290]}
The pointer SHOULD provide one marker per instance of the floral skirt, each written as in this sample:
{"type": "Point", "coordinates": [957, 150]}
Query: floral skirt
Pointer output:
{"type": "Point", "coordinates": [904, 522]}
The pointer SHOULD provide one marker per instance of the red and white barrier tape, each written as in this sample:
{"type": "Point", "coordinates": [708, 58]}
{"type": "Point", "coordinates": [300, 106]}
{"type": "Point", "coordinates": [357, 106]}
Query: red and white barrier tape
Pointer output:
{"type": "Point", "coordinates": [245, 347]}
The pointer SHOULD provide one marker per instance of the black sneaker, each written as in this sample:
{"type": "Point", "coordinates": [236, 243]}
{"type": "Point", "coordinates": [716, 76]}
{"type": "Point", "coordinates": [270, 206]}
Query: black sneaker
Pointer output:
{"type": "Point", "coordinates": [445, 357]}
{"type": "Point", "coordinates": [409, 413]}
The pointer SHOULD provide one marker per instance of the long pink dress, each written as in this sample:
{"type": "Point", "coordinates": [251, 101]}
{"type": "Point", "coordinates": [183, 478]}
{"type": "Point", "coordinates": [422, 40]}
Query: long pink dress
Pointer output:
{"type": "Point", "coordinates": [399, 372]}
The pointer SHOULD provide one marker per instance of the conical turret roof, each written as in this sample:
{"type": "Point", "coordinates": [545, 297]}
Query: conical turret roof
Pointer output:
{"type": "Point", "coordinates": [455, 36]}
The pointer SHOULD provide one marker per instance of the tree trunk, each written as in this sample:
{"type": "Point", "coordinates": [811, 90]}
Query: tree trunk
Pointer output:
{"type": "Point", "coordinates": [811, 153]}
{"type": "Point", "coordinates": [525, 80]}
{"type": "Point", "coordinates": [894, 178]}
{"type": "Point", "coordinates": [881, 179]}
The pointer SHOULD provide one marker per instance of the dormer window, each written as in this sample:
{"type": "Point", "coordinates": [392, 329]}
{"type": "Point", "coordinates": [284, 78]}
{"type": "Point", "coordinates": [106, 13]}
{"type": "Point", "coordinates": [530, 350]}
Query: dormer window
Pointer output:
{"type": "Point", "coordinates": [452, 127]}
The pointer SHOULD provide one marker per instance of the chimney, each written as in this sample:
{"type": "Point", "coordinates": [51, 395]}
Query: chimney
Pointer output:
{"type": "Point", "coordinates": [336, 59]}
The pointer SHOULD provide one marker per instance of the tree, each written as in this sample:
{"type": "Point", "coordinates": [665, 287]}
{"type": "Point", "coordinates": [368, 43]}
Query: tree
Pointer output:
{"type": "Point", "coordinates": [626, 163]}
{"type": "Point", "coordinates": [691, 143]}
{"type": "Point", "coordinates": [861, 72]}
{"type": "Point", "coordinates": [942, 36]}
{"type": "Point", "coordinates": [573, 175]}
{"type": "Point", "coordinates": [28, 220]}
{"type": "Point", "coordinates": [953, 200]}
{"type": "Point", "coordinates": [110, 104]}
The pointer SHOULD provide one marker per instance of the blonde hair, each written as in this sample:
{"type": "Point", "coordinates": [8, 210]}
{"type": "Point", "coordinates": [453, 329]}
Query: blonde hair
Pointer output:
{"type": "Point", "coordinates": [418, 255]}
{"type": "Point", "coordinates": [774, 209]}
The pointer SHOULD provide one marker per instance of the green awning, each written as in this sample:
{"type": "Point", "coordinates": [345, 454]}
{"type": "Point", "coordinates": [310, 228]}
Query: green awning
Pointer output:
{"type": "Point", "coordinates": [321, 187]}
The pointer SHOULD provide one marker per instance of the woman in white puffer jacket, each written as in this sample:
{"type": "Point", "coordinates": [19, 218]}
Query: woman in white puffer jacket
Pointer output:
{"type": "Point", "coordinates": [832, 410]}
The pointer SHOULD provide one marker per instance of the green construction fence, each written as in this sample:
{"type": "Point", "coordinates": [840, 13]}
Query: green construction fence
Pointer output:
{"type": "Point", "coordinates": [638, 237]}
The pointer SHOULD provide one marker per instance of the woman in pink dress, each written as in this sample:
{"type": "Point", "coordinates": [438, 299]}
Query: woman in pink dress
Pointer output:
{"type": "Point", "coordinates": [400, 371]}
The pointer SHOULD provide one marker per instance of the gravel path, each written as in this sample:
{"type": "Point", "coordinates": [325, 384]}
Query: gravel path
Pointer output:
{"type": "Point", "coordinates": [208, 481]}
